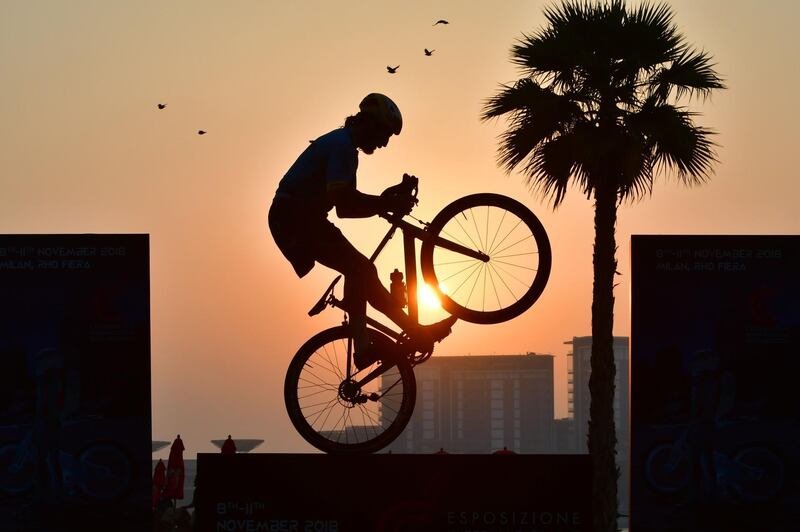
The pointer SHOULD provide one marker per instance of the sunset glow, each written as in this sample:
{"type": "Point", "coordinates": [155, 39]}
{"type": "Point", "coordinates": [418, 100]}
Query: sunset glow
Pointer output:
{"type": "Point", "coordinates": [84, 148]}
{"type": "Point", "coordinates": [427, 297]}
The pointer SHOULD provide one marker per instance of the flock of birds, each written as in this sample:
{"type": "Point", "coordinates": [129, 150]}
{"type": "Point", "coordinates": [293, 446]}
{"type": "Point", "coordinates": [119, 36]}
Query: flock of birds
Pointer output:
{"type": "Point", "coordinates": [391, 70]}
{"type": "Point", "coordinates": [428, 53]}
{"type": "Point", "coordinates": [163, 106]}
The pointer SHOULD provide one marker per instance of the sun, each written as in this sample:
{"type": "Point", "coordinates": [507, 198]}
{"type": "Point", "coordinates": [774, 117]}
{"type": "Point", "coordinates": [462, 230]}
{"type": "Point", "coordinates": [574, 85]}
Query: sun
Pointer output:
{"type": "Point", "coordinates": [427, 297]}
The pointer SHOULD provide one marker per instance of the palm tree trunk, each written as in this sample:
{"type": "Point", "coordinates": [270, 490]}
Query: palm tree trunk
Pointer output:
{"type": "Point", "coordinates": [602, 433]}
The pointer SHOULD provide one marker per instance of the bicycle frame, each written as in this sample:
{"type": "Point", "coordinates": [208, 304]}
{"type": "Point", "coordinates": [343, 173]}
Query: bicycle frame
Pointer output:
{"type": "Point", "coordinates": [411, 233]}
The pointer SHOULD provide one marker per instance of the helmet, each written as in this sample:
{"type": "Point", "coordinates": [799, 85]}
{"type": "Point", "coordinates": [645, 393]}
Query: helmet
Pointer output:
{"type": "Point", "coordinates": [384, 109]}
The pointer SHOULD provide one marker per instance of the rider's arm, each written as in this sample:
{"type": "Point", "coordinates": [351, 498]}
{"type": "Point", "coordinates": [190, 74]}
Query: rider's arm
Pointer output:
{"type": "Point", "coordinates": [350, 203]}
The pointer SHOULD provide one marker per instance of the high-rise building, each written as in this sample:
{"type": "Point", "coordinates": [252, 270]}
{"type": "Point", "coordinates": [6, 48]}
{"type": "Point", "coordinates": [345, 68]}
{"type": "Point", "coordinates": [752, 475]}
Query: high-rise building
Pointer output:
{"type": "Point", "coordinates": [579, 400]}
{"type": "Point", "coordinates": [481, 404]}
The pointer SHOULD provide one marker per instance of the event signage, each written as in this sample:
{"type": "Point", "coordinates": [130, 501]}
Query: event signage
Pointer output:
{"type": "Point", "coordinates": [75, 438]}
{"type": "Point", "coordinates": [715, 359]}
{"type": "Point", "coordinates": [393, 492]}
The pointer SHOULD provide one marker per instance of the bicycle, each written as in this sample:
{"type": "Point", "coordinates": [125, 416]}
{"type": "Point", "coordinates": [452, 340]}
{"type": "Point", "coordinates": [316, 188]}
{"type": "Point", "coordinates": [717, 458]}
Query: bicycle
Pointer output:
{"type": "Point", "coordinates": [99, 470]}
{"type": "Point", "coordinates": [752, 472]}
{"type": "Point", "coordinates": [485, 244]}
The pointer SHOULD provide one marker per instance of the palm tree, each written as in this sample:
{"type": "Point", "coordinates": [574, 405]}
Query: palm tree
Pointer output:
{"type": "Point", "coordinates": [597, 107]}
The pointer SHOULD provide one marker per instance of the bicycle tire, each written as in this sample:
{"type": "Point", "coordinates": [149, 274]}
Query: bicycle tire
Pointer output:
{"type": "Point", "coordinates": [492, 243]}
{"type": "Point", "coordinates": [658, 474]}
{"type": "Point", "coordinates": [328, 350]}
{"type": "Point", "coordinates": [770, 480]}
{"type": "Point", "coordinates": [106, 454]}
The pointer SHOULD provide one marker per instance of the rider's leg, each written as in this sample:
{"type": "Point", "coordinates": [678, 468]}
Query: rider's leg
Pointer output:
{"type": "Point", "coordinates": [362, 285]}
{"type": "Point", "coordinates": [333, 250]}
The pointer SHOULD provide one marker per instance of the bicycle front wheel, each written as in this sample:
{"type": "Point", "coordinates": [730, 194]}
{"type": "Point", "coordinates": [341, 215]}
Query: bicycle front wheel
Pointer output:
{"type": "Point", "coordinates": [360, 414]}
{"type": "Point", "coordinates": [518, 258]}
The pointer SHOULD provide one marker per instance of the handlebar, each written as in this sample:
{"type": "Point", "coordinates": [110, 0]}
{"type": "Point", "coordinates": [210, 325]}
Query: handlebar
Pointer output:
{"type": "Point", "coordinates": [408, 186]}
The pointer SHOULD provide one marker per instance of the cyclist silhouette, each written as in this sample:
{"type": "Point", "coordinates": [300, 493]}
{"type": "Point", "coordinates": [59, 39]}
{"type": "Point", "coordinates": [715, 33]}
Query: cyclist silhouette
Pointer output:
{"type": "Point", "coordinates": [324, 177]}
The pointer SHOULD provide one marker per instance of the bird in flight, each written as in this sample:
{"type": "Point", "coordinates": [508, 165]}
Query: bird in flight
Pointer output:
{"type": "Point", "coordinates": [201, 132]}
{"type": "Point", "coordinates": [440, 21]}
{"type": "Point", "coordinates": [429, 52]}
{"type": "Point", "coordinates": [162, 105]}
{"type": "Point", "coordinates": [392, 70]}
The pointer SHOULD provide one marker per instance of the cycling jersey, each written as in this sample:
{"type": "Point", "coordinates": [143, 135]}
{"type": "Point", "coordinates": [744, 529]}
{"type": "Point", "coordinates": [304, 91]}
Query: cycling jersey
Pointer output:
{"type": "Point", "coordinates": [328, 163]}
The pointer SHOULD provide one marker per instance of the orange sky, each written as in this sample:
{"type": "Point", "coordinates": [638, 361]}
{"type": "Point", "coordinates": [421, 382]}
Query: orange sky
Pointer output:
{"type": "Point", "coordinates": [84, 149]}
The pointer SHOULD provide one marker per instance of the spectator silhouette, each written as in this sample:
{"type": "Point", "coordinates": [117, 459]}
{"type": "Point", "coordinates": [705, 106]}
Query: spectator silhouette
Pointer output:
{"type": "Point", "coordinates": [229, 447]}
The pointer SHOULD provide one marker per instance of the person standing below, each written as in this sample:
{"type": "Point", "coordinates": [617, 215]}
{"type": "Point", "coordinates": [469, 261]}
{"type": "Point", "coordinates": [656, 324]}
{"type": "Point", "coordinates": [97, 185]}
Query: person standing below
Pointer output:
{"type": "Point", "coordinates": [323, 178]}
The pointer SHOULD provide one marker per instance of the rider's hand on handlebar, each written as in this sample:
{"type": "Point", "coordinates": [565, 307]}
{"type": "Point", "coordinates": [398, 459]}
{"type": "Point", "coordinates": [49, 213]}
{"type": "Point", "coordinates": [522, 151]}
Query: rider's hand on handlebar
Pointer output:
{"type": "Point", "coordinates": [401, 198]}
{"type": "Point", "coordinates": [399, 205]}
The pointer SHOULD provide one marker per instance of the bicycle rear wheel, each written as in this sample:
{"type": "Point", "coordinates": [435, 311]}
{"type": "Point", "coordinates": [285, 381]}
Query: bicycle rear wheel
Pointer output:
{"type": "Point", "coordinates": [337, 415]}
{"type": "Point", "coordinates": [518, 265]}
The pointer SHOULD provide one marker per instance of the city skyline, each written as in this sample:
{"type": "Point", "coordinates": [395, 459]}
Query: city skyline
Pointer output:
{"type": "Point", "coordinates": [85, 149]}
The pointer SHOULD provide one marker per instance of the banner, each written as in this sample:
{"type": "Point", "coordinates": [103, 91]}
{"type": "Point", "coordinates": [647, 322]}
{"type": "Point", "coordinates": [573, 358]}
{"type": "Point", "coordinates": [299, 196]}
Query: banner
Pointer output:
{"type": "Point", "coordinates": [393, 492]}
{"type": "Point", "coordinates": [715, 359]}
{"type": "Point", "coordinates": [75, 439]}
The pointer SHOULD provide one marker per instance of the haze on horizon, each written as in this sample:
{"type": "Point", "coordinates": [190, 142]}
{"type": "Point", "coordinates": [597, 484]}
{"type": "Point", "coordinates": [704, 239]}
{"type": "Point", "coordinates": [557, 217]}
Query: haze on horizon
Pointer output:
{"type": "Point", "coordinates": [84, 149]}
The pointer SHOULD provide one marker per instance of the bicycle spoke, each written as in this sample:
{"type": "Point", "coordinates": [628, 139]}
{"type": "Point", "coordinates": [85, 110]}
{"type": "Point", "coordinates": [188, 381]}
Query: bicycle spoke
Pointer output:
{"type": "Point", "coordinates": [491, 251]}
{"type": "Point", "coordinates": [466, 233]}
{"type": "Point", "coordinates": [454, 292]}
{"type": "Point", "coordinates": [473, 265]}
{"type": "Point", "coordinates": [495, 268]}
{"type": "Point", "coordinates": [308, 406]}
{"type": "Point", "coordinates": [325, 357]}
{"type": "Point", "coordinates": [346, 424]}
{"type": "Point", "coordinates": [477, 231]}
{"type": "Point", "coordinates": [523, 283]}
{"type": "Point", "coordinates": [364, 423]}
{"type": "Point", "coordinates": [335, 430]}
{"type": "Point", "coordinates": [314, 385]}
{"type": "Point", "coordinates": [308, 371]}
{"type": "Point", "coordinates": [372, 421]}
{"type": "Point", "coordinates": [319, 413]}
{"type": "Point", "coordinates": [484, 288]}
{"type": "Point", "coordinates": [497, 295]}
{"type": "Point", "coordinates": [472, 290]}
{"type": "Point", "coordinates": [494, 238]}
{"type": "Point", "coordinates": [454, 238]}
{"type": "Point", "coordinates": [515, 265]}
{"type": "Point", "coordinates": [322, 382]}
{"type": "Point", "coordinates": [526, 237]}
{"type": "Point", "coordinates": [486, 238]}
{"type": "Point", "coordinates": [398, 381]}
{"type": "Point", "coordinates": [333, 364]}
{"type": "Point", "coordinates": [470, 260]}
{"type": "Point", "coordinates": [326, 390]}
{"type": "Point", "coordinates": [515, 255]}
{"type": "Point", "coordinates": [325, 421]}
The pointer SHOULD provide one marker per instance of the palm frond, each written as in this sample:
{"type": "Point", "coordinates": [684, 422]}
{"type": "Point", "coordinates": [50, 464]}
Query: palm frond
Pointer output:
{"type": "Point", "coordinates": [536, 115]}
{"type": "Point", "coordinates": [550, 166]}
{"type": "Point", "coordinates": [691, 73]}
{"type": "Point", "coordinates": [644, 41]}
{"type": "Point", "coordinates": [546, 58]}
{"type": "Point", "coordinates": [572, 46]}
{"type": "Point", "coordinates": [524, 95]}
{"type": "Point", "coordinates": [676, 142]}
